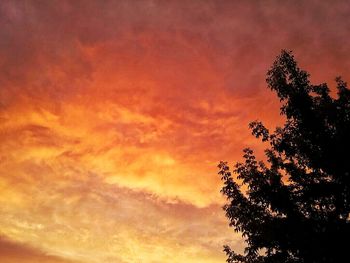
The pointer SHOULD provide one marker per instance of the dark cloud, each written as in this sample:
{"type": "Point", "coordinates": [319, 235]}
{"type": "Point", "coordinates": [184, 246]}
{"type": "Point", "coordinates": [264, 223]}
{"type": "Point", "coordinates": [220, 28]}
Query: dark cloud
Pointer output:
{"type": "Point", "coordinates": [11, 251]}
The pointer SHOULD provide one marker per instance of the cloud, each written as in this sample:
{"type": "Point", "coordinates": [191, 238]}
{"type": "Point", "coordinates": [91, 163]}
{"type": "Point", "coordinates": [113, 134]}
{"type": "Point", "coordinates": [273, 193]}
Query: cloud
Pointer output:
{"type": "Point", "coordinates": [114, 114]}
{"type": "Point", "coordinates": [83, 218]}
{"type": "Point", "coordinates": [17, 252]}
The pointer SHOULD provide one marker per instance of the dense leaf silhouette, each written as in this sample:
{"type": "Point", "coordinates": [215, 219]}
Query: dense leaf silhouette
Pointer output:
{"type": "Point", "coordinates": [295, 206]}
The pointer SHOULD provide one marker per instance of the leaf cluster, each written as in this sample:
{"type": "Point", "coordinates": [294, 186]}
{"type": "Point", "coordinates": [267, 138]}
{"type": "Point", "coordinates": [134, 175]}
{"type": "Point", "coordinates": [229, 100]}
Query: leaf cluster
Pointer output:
{"type": "Point", "coordinates": [294, 207]}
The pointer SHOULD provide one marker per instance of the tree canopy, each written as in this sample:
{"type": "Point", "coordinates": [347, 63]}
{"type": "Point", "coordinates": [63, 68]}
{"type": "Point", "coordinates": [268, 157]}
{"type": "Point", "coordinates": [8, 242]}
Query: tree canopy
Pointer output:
{"type": "Point", "coordinates": [295, 206]}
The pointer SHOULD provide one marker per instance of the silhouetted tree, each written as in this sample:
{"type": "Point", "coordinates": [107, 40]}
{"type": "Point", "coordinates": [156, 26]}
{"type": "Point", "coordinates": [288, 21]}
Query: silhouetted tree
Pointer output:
{"type": "Point", "coordinates": [295, 206]}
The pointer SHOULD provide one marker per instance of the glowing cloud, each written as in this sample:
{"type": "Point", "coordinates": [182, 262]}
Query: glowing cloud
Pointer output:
{"type": "Point", "coordinates": [114, 114]}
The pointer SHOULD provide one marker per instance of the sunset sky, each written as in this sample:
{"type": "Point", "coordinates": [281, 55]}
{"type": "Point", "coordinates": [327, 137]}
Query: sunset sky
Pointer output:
{"type": "Point", "coordinates": [115, 114]}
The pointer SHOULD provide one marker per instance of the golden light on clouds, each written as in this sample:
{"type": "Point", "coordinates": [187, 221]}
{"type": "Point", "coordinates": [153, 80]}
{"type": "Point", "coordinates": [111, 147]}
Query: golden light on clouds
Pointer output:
{"type": "Point", "coordinates": [114, 115]}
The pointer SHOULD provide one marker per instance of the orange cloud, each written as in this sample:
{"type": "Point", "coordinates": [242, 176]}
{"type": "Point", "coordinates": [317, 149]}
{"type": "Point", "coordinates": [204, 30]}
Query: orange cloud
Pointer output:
{"type": "Point", "coordinates": [114, 114]}
{"type": "Point", "coordinates": [16, 252]}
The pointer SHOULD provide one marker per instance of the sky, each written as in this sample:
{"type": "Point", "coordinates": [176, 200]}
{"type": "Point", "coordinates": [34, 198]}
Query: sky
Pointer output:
{"type": "Point", "coordinates": [115, 114]}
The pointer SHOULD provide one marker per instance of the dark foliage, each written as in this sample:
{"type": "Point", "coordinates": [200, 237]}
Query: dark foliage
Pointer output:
{"type": "Point", "coordinates": [295, 207]}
